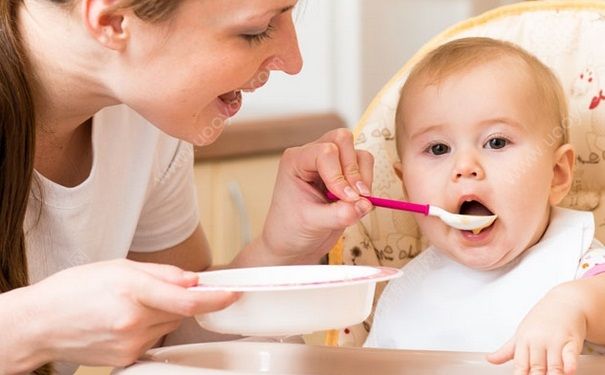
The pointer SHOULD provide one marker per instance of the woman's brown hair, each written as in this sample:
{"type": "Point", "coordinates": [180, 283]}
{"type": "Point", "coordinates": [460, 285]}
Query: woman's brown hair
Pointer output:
{"type": "Point", "coordinates": [17, 134]}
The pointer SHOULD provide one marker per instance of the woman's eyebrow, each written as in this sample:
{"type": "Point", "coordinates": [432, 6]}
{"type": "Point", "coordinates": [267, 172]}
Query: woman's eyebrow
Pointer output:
{"type": "Point", "coordinates": [273, 12]}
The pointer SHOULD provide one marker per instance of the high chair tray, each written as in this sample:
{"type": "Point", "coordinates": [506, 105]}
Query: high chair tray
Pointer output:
{"type": "Point", "coordinates": [244, 358]}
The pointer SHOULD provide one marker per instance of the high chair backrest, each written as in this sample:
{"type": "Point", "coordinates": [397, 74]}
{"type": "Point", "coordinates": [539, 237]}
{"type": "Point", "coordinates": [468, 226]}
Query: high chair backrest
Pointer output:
{"type": "Point", "coordinates": [565, 35]}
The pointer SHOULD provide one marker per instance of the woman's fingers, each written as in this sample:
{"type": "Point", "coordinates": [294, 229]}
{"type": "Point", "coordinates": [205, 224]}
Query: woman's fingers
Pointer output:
{"type": "Point", "coordinates": [167, 273]}
{"type": "Point", "coordinates": [365, 160]}
{"type": "Point", "coordinates": [338, 215]}
{"type": "Point", "coordinates": [177, 300]}
{"type": "Point", "coordinates": [320, 162]}
{"type": "Point", "coordinates": [349, 160]}
{"type": "Point", "coordinates": [357, 176]}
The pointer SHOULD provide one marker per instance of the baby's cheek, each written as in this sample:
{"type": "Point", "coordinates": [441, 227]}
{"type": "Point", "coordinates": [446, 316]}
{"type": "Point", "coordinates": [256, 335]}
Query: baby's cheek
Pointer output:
{"type": "Point", "coordinates": [423, 189]}
{"type": "Point", "coordinates": [433, 230]}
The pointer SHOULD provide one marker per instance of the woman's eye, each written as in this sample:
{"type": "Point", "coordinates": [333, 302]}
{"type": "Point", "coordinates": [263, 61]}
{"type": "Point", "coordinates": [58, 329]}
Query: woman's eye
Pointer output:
{"type": "Point", "coordinates": [438, 149]}
{"type": "Point", "coordinates": [497, 143]}
{"type": "Point", "coordinates": [260, 37]}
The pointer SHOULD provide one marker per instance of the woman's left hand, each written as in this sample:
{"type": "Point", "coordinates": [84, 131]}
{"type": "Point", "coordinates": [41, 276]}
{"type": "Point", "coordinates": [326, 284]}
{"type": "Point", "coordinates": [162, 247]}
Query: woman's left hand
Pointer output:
{"type": "Point", "coordinates": [550, 337]}
{"type": "Point", "coordinates": [302, 225]}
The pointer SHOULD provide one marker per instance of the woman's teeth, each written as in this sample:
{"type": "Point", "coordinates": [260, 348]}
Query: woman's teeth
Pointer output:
{"type": "Point", "coordinates": [231, 97]}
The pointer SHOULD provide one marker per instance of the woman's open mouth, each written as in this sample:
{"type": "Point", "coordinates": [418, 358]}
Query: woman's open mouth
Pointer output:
{"type": "Point", "coordinates": [230, 103]}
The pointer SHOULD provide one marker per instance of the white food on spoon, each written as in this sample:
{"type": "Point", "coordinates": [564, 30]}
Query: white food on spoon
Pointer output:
{"type": "Point", "coordinates": [476, 215]}
{"type": "Point", "coordinates": [463, 222]}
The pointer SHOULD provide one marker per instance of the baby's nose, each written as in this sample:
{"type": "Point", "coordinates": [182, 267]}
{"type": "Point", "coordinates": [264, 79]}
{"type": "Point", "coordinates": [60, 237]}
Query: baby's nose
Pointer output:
{"type": "Point", "coordinates": [467, 167]}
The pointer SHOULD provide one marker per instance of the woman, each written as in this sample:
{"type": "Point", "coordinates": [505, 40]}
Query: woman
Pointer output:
{"type": "Point", "coordinates": [77, 197]}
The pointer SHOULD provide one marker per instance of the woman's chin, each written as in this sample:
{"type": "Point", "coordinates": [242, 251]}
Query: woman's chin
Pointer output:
{"type": "Point", "coordinates": [206, 134]}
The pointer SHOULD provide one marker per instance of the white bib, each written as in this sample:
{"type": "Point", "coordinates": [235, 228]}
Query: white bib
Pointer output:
{"type": "Point", "coordinates": [439, 304]}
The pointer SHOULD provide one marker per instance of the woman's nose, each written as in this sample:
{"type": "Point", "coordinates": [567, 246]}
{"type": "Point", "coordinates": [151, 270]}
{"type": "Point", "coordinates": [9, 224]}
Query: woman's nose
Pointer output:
{"type": "Point", "coordinates": [293, 62]}
{"type": "Point", "coordinates": [467, 166]}
{"type": "Point", "coordinates": [287, 56]}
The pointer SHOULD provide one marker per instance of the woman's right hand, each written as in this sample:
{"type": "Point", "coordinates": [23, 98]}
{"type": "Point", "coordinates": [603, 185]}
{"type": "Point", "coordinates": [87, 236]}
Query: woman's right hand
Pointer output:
{"type": "Point", "coordinates": [109, 313]}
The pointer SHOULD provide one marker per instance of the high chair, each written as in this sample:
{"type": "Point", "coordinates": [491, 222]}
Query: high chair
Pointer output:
{"type": "Point", "coordinates": [565, 35]}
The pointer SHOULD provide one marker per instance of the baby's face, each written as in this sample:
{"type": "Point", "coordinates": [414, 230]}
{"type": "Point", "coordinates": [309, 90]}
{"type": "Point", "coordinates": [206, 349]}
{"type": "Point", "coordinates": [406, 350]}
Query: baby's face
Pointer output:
{"type": "Point", "coordinates": [479, 143]}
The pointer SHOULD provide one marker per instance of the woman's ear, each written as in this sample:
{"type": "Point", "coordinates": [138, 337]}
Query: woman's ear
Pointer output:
{"type": "Point", "coordinates": [398, 168]}
{"type": "Point", "coordinates": [562, 173]}
{"type": "Point", "coordinates": [105, 23]}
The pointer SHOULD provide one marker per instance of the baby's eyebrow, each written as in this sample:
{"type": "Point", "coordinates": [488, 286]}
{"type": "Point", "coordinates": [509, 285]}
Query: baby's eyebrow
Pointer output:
{"type": "Point", "coordinates": [502, 120]}
{"type": "Point", "coordinates": [426, 130]}
{"type": "Point", "coordinates": [482, 124]}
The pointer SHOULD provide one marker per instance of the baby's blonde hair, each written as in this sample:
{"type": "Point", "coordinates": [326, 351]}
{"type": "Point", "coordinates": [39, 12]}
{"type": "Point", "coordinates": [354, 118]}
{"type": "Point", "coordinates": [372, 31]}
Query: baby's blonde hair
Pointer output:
{"type": "Point", "coordinates": [463, 54]}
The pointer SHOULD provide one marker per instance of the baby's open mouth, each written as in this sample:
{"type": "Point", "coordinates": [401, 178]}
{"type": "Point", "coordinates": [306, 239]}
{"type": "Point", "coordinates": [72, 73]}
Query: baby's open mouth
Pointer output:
{"type": "Point", "coordinates": [476, 208]}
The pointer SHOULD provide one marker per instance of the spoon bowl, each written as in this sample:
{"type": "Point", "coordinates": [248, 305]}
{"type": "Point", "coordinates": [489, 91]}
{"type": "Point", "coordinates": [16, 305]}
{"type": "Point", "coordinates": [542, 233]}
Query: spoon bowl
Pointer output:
{"type": "Point", "coordinates": [463, 222]}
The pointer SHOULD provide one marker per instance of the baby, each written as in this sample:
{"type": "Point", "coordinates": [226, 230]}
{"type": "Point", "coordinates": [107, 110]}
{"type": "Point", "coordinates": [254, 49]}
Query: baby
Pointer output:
{"type": "Point", "coordinates": [481, 131]}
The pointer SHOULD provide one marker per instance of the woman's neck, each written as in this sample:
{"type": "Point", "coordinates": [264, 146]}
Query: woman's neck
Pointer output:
{"type": "Point", "coordinates": [67, 162]}
{"type": "Point", "coordinates": [66, 69]}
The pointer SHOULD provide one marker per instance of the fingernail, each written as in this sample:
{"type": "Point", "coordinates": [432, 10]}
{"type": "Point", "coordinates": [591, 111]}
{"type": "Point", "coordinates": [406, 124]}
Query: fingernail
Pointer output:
{"type": "Point", "coordinates": [351, 193]}
{"type": "Point", "coordinates": [363, 207]}
{"type": "Point", "coordinates": [362, 188]}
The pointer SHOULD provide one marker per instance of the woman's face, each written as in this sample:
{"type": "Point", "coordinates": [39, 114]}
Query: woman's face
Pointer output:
{"type": "Point", "coordinates": [186, 74]}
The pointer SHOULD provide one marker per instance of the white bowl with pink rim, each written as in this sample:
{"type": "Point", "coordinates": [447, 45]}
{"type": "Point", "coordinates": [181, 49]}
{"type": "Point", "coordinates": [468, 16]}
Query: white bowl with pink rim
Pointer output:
{"type": "Point", "coordinates": [292, 300]}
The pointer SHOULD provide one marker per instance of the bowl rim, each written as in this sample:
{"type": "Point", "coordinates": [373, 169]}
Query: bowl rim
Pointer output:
{"type": "Point", "coordinates": [378, 274]}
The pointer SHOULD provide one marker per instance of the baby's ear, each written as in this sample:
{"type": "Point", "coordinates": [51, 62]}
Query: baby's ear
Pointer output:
{"type": "Point", "coordinates": [398, 168]}
{"type": "Point", "coordinates": [562, 173]}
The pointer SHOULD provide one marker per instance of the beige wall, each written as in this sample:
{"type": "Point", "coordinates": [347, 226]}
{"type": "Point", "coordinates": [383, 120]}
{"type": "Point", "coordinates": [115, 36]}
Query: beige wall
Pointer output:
{"type": "Point", "coordinates": [393, 30]}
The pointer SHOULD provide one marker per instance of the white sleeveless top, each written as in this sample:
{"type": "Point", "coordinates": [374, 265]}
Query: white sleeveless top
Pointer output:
{"type": "Point", "coordinates": [439, 304]}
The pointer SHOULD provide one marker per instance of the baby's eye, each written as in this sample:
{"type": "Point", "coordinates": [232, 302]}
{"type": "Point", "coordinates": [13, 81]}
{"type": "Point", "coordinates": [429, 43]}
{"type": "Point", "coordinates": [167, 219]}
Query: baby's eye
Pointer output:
{"type": "Point", "coordinates": [496, 143]}
{"type": "Point", "coordinates": [438, 149]}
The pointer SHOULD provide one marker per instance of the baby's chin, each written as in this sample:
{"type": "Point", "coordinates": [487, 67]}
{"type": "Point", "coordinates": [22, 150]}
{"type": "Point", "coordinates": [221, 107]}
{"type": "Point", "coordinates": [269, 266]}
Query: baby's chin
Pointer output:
{"type": "Point", "coordinates": [484, 258]}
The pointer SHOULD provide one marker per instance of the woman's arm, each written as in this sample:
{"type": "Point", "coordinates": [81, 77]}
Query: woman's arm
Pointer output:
{"type": "Point", "coordinates": [105, 313]}
{"type": "Point", "coordinates": [302, 226]}
{"type": "Point", "coordinates": [193, 254]}
{"type": "Point", "coordinates": [22, 342]}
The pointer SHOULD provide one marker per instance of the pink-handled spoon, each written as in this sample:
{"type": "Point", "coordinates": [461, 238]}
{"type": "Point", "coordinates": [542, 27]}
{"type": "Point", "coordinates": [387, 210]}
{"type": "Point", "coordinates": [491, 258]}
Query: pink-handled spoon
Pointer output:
{"type": "Point", "coordinates": [463, 222]}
